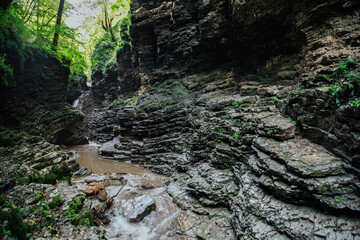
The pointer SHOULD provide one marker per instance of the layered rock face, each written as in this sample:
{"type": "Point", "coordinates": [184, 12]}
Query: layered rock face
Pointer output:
{"type": "Point", "coordinates": [36, 101]}
{"type": "Point", "coordinates": [230, 109]}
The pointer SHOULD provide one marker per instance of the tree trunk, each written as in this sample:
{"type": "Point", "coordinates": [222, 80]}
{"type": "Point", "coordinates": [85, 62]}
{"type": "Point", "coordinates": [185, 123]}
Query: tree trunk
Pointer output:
{"type": "Point", "coordinates": [111, 31]}
{"type": "Point", "coordinates": [108, 22]}
{"type": "Point", "coordinates": [58, 22]}
{"type": "Point", "coordinates": [37, 18]}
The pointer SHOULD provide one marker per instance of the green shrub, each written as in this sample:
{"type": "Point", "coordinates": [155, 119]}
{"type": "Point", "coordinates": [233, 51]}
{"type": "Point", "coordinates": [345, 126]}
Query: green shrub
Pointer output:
{"type": "Point", "coordinates": [15, 228]}
{"type": "Point", "coordinates": [77, 214]}
{"type": "Point", "coordinates": [345, 83]}
{"type": "Point", "coordinates": [56, 202]}
{"type": "Point", "coordinates": [6, 71]}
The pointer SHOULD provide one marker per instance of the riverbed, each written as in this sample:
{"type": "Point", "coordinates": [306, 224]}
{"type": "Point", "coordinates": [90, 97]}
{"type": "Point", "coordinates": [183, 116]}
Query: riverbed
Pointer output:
{"type": "Point", "coordinates": [162, 223]}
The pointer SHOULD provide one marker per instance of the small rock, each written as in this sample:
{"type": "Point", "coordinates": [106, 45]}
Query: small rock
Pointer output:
{"type": "Point", "coordinates": [102, 196]}
{"type": "Point", "coordinates": [90, 180]}
{"type": "Point", "coordinates": [93, 188]}
{"type": "Point", "coordinates": [140, 207]}
{"type": "Point", "coordinates": [82, 172]}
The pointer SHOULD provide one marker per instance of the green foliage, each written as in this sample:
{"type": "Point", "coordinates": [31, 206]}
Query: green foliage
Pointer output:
{"type": "Point", "coordinates": [12, 33]}
{"type": "Point", "coordinates": [167, 94]}
{"type": "Point", "coordinates": [293, 121]}
{"type": "Point", "coordinates": [345, 88]}
{"type": "Point", "coordinates": [6, 71]}
{"type": "Point", "coordinates": [236, 105]}
{"type": "Point", "coordinates": [270, 132]}
{"type": "Point", "coordinates": [275, 99]}
{"type": "Point", "coordinates": [56, 173]}
{"type": "Point", "coordinates": [126, 102]}
{"type": "Point", "coordinates": [130, 101]}
{"type": "Point", "coordinates": [105, 50]}
{"type": "Point", "coordinates": [26, 24]}
{"type": "Point", "coordinates": [9, 138]}
{"type": "Point", "coordinates": [337, 198]}
{"type": "Point", "coordinates": [31, 23]}
{"type": "Point", "coordinates": [236, 136]}
{"type": "Point", "coordinates": [353, 187]}
{"type": "Point", "coordinates": [324, 78]}
{"type": "Point", "coordinates": [346, 66]}
{"type": "Point", "coordinates": [12, 222]}
{"type": "Point", "coordinates": [125, 28]}
{"type": "Point", "coordinates": [77, 214]}
{"type": "Point", "coordinates": [248, 128]}
{"type": "Point", "coordinates": [70, 48]}
{"type": "Point", "coordinates": [334, 92]}
{"type": "Point", "coordinates": [356, 103]}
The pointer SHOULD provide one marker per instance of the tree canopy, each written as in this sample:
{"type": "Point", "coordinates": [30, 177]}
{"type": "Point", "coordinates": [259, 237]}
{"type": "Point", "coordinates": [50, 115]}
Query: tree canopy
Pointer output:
{"type": "Point", "coordinates": [33, 22]}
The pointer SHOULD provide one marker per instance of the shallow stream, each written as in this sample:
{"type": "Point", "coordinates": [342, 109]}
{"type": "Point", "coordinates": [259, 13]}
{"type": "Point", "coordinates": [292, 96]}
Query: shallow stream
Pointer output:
{"type": "Point", "coordinates": [162, 223]}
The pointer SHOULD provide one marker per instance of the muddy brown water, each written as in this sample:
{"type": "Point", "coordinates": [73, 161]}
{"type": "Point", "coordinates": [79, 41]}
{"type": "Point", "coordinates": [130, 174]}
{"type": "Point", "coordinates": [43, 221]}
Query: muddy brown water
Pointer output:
{"type": "Point", "coordinates": [163, 223]}
{"type": "Point", "coordinates": [87, 156]}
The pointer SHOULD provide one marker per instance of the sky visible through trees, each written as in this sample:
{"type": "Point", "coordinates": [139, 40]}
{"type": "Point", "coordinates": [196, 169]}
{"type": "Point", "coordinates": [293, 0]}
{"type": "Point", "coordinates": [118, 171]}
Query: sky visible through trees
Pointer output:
{"type": "Point", "coordinates": [82, 27]}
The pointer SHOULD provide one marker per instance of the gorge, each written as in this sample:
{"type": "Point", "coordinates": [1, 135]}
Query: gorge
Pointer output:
{"type": "Point", "coordinates": [250, 108]}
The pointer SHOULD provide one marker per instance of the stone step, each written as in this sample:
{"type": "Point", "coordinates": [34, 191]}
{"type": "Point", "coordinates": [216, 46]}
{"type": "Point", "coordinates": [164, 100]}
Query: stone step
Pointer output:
{"type": "Point", "coordinates": [297, 166]}
{"type": "Point", "coordinates": [301, 156]}
{"type": "Point", "coordinates": [276, 126]}
{"type": "Point", "coordinates": [120, 157]}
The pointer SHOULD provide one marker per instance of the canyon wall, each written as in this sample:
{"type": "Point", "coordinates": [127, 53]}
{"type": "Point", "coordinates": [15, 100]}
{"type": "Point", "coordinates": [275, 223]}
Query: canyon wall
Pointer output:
{"type": "Point", "coordinates": [35, 101]}
{"type": "Point", "coordinates": [228, 105]}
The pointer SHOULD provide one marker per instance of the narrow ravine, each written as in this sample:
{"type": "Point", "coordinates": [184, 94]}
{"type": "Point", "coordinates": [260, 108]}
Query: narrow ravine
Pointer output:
{"type": "Point", "coordinates": [207, 120]}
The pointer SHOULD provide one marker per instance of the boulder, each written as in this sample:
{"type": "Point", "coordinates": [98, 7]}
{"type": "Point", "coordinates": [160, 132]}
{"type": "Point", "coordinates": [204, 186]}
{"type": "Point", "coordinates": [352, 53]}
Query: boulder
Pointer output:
{"type": "Point", "coordinates": [140, 207]}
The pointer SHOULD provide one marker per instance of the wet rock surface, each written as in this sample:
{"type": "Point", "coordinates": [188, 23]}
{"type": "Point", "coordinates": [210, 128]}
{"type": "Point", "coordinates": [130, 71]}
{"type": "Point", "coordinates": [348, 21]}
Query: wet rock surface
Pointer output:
{"type": "Point", "coordinates": [37, 199]}
{"type": "Point", "coordinates": [140, 207]}
{"type": "Point", "coordinates": [235, 159]}
{"type": "Point", "coordinates": [36, 101]}
{"type": "Point", "coordinates": [144, 207]}
{"type": "Point", "coordinates": [249, 138]}
{"type": "Point", "coordinates": [227, 105]}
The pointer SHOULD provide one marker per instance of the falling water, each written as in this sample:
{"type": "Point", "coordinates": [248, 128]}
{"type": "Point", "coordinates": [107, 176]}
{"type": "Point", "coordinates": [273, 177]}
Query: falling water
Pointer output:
{"type": "Point", "coordinates": [75, 103]}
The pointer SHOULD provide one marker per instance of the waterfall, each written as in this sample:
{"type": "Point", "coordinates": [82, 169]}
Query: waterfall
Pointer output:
{"type": "Point", "coordinates": [76, 102]}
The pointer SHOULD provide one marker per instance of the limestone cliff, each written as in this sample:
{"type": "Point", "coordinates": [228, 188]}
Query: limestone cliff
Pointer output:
{"type": "Point", "coordinates": [36, 100]}
{"type": "Point", "coordinates": [228, 105]}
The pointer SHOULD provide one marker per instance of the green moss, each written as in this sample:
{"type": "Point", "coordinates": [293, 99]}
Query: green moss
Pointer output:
{"type": "Point", "coordinates": [36, 139]}
{"type": "Point", "coordinates": [86, 218]}
{"type": "Point", "coordinates": [56, 202]}
{"type": "Point", "coordinates": [56, 173]}
{"type": "Point", "coordinates": [42, 165]}
{"type": "Point", "coordinates": [77, 214]}
{"type": "Point", "coordinates": [345, 84]}
{"type": "Point", "coordinates": [346, 65]}
{"type": "Point", "coordinates": [125, 28]}
{"type": "Point", "coordinates": [6, 71]}
{"type": "Point", "coordinates": [248, 128]}
{"type": "Point", "coordinates": [9, 137]}
{"type": "Point", "coordinates": [15, 227]}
